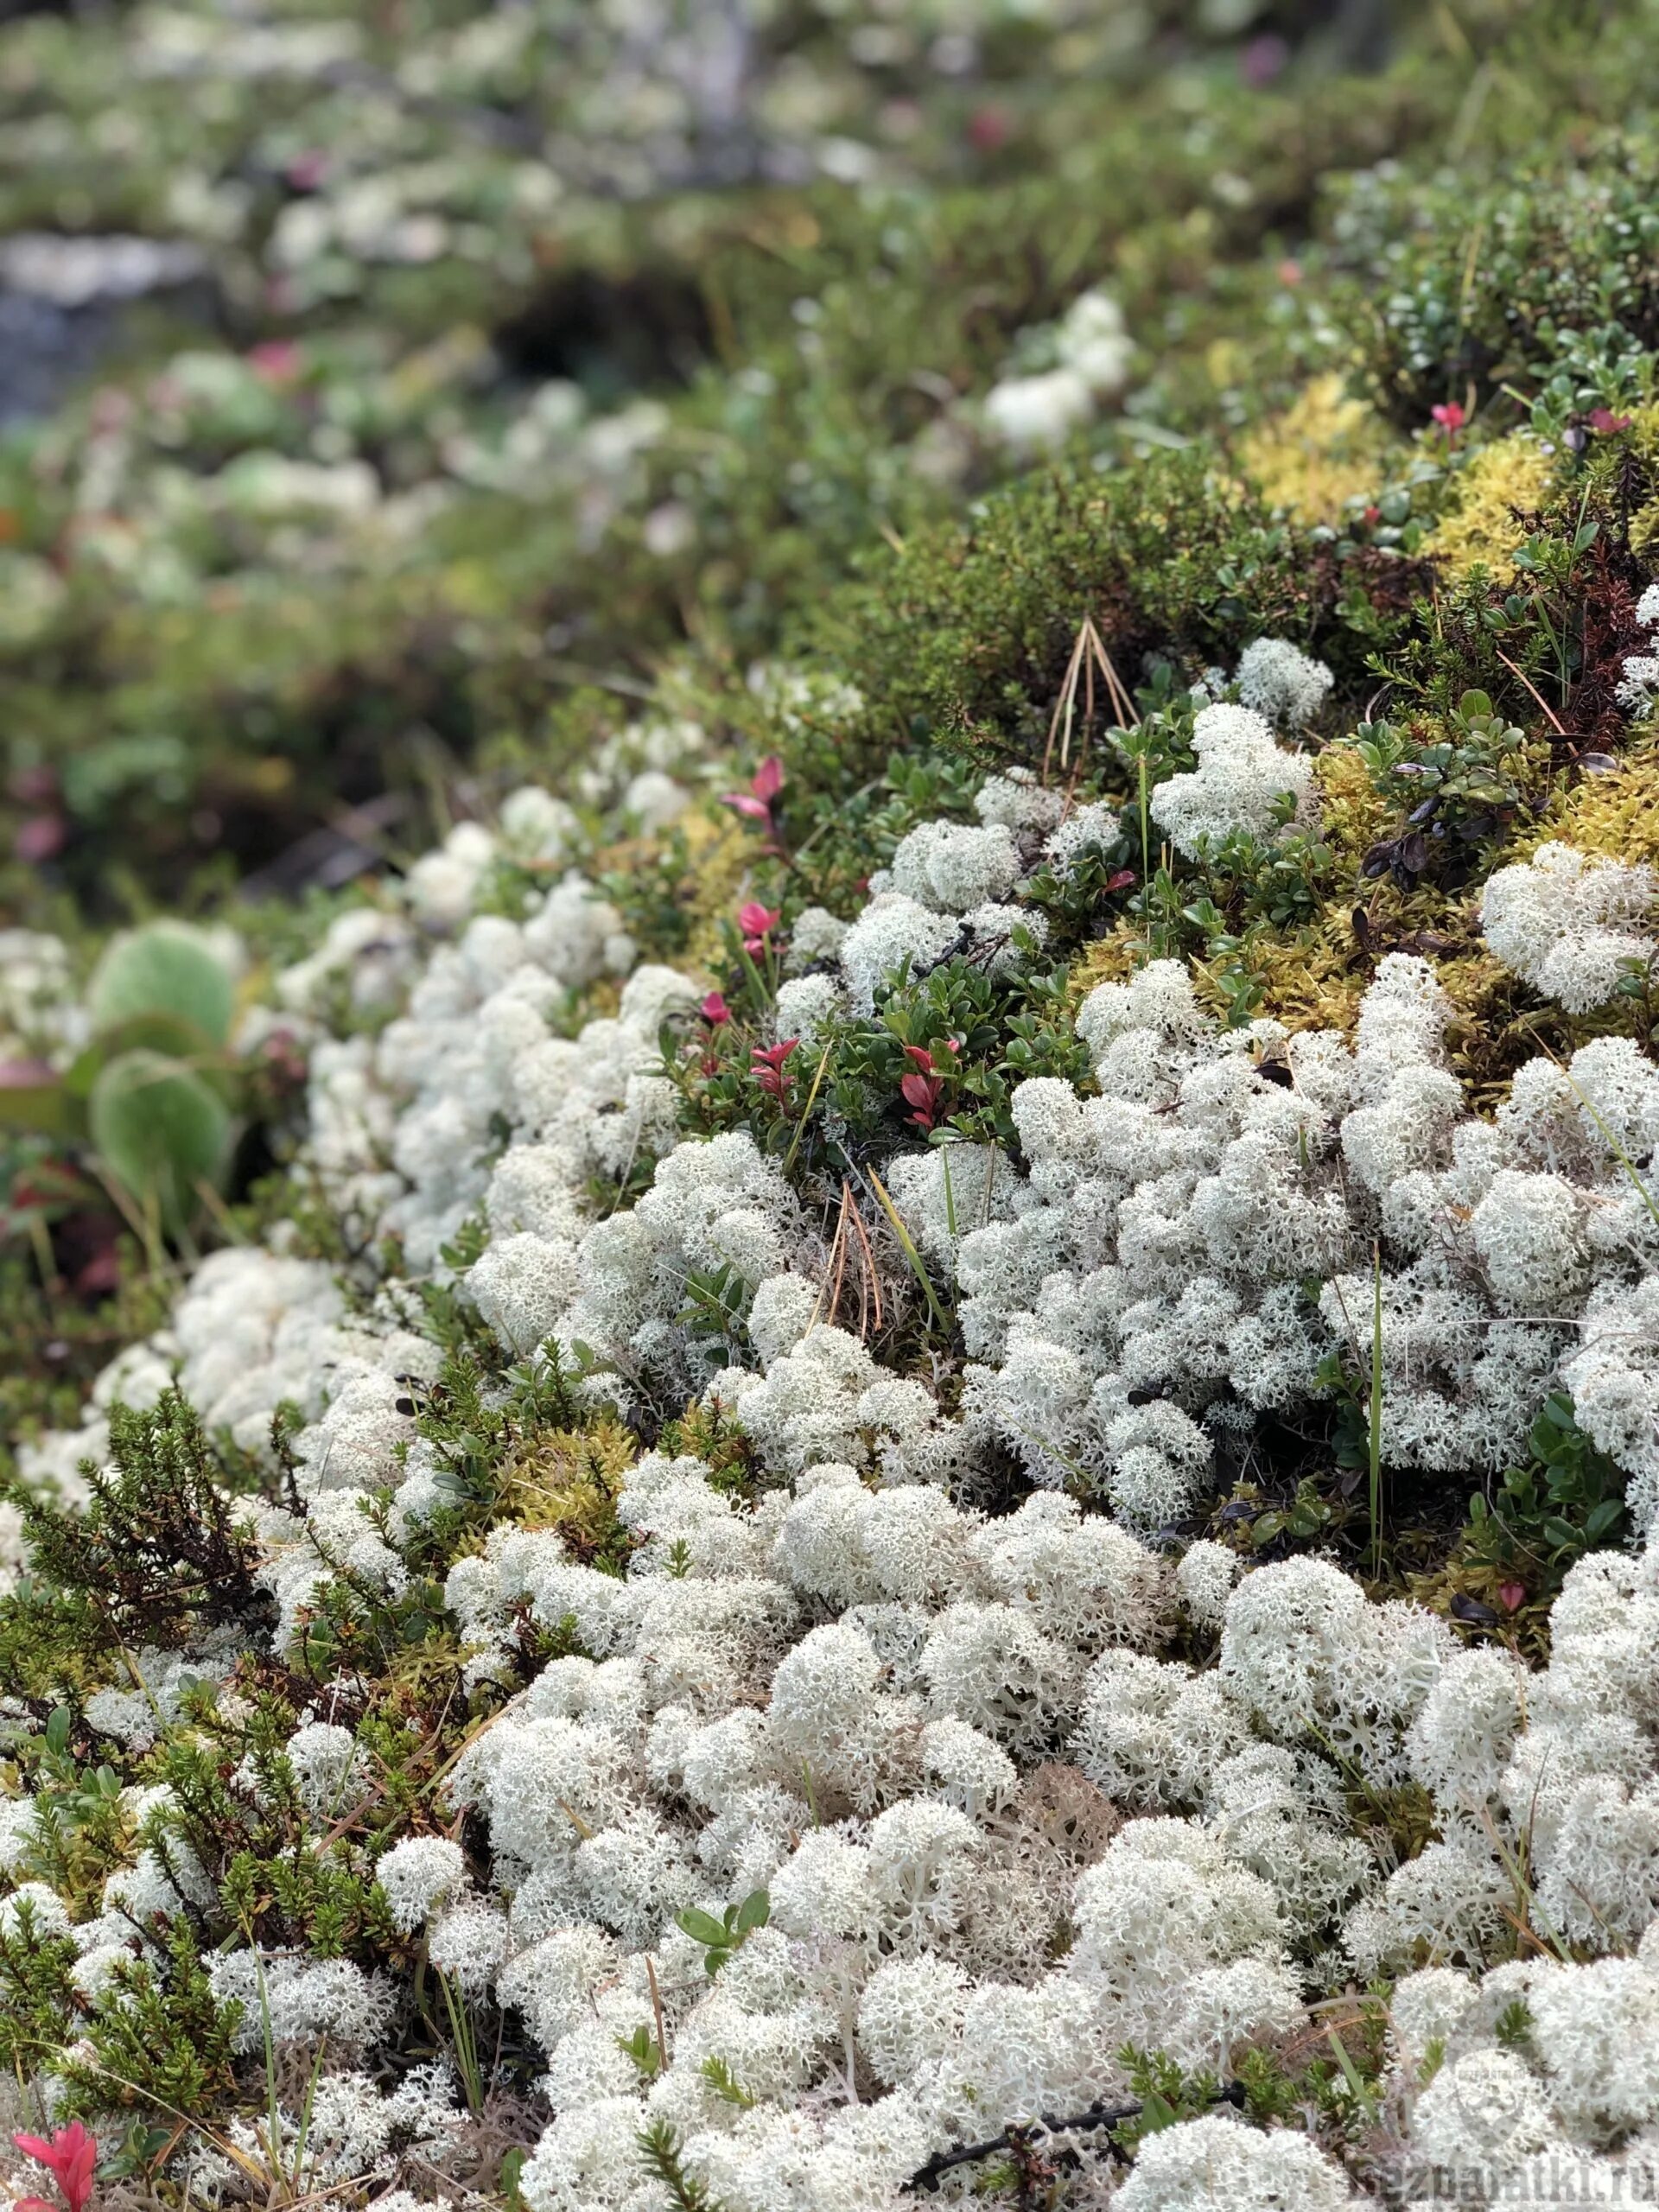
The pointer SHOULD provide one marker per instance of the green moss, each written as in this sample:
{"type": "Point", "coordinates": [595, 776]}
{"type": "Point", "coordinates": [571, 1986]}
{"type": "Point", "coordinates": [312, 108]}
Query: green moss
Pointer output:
{"type": "Point", "coordinates": [963, 633]}
{"type": "Point", "coordinates": [1461, 291]}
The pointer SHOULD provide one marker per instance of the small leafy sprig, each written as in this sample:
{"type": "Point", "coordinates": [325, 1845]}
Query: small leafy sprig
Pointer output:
{"type": "Point", "coordinates": [722, 1939]}
{"type": "Point", "coordinates": [725, 2084]}
{"type": "Point", "coordinates": [643, 2047]}
{"type": "Point", "coordinates": [1569, 1501]}
{"type": "Point", "coordinates": [661, 2150]}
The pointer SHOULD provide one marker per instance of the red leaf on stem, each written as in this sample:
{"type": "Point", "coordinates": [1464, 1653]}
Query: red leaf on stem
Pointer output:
{"type": "Point", "coordinates": [768, 780]}
{"type": "Point", "coordinates": [69, 2156]}
{"type": "Point", "coordinates": [766, 1066]}
{"type": "Point", "coordinates": [924, 1093]}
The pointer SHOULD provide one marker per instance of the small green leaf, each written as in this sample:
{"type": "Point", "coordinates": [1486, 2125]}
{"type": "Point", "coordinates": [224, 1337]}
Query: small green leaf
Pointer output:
{"type": "Point", "coordinates": [512, 2165]}
{"type": "Point", "coordinates": [642, 2048]}
{"type": "Point", "coordinates": [160, 1129]}
{"type": "Point", "coordinates": [701, 1927]}
{"type": "Point", "coordinates": [164, 968]}
{"type": "Point", "coordinates": [167, 1033]}
{"type": "Point", "coordinates": [755, 1911]}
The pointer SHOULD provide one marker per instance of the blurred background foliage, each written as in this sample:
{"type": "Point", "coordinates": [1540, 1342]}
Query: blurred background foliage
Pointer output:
{"type": "Point", "coordinates": [389, 393]}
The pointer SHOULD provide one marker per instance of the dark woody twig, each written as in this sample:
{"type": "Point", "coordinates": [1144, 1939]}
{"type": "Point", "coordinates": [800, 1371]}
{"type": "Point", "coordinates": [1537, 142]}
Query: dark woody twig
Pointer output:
{"type": "Point", "coordinates": [928, 2177]}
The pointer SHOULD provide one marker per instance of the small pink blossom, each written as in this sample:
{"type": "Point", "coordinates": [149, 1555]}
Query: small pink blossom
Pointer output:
{"type": "Point", "coordinates": [42, 837]}
{"type": "Point", "coordinates": [768, 778]}
{"type": "Point", "coordinates": [277, 360]}
{"type": "Point", "coordinates": [756, 804]}
{"type": "Point", "coordinates": [757, 922]}
{"type": "Point", "coordinates": [989, 128]}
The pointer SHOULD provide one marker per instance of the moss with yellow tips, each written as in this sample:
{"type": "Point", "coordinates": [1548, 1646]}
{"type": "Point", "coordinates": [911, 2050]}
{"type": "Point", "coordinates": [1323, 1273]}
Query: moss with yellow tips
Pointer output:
{"type": "Point", "coordinates": [1483, 527]}
{"type": "Point", "coordinates": [569, 1480]}
{"type": "Point", "coordinates": [1616, 814]}
{"type": "Point", "coordinates": [1324, 450]}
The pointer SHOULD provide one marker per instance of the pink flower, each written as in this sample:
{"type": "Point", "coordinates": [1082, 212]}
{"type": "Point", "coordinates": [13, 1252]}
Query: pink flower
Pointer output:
{"type": "Point", "coordinates": [1604, 420]}
{"type": "Point", "coordinates": [767, 1066]}
{"type": "Point", "coordinates": [989, 128]}
{"type": "Point", "coordinates": [70, 2157]}
{"type": "Point", "coordinates": [1449, 415]}
{"type": "Point", "coordinates": [41, 838]}
{"type": "Point", "coordinates": [278, 360]}
{"type": "Point", "coordinates": [1263, 60]}
{"type": "Point", "coordinates": [756, 803]}
{"type": "Point", "coordinates": [715, 1010]}
{"type": "Point", "coordinates": [757, 922]}
{"type": "Point", "coordinates": [768, 780]}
